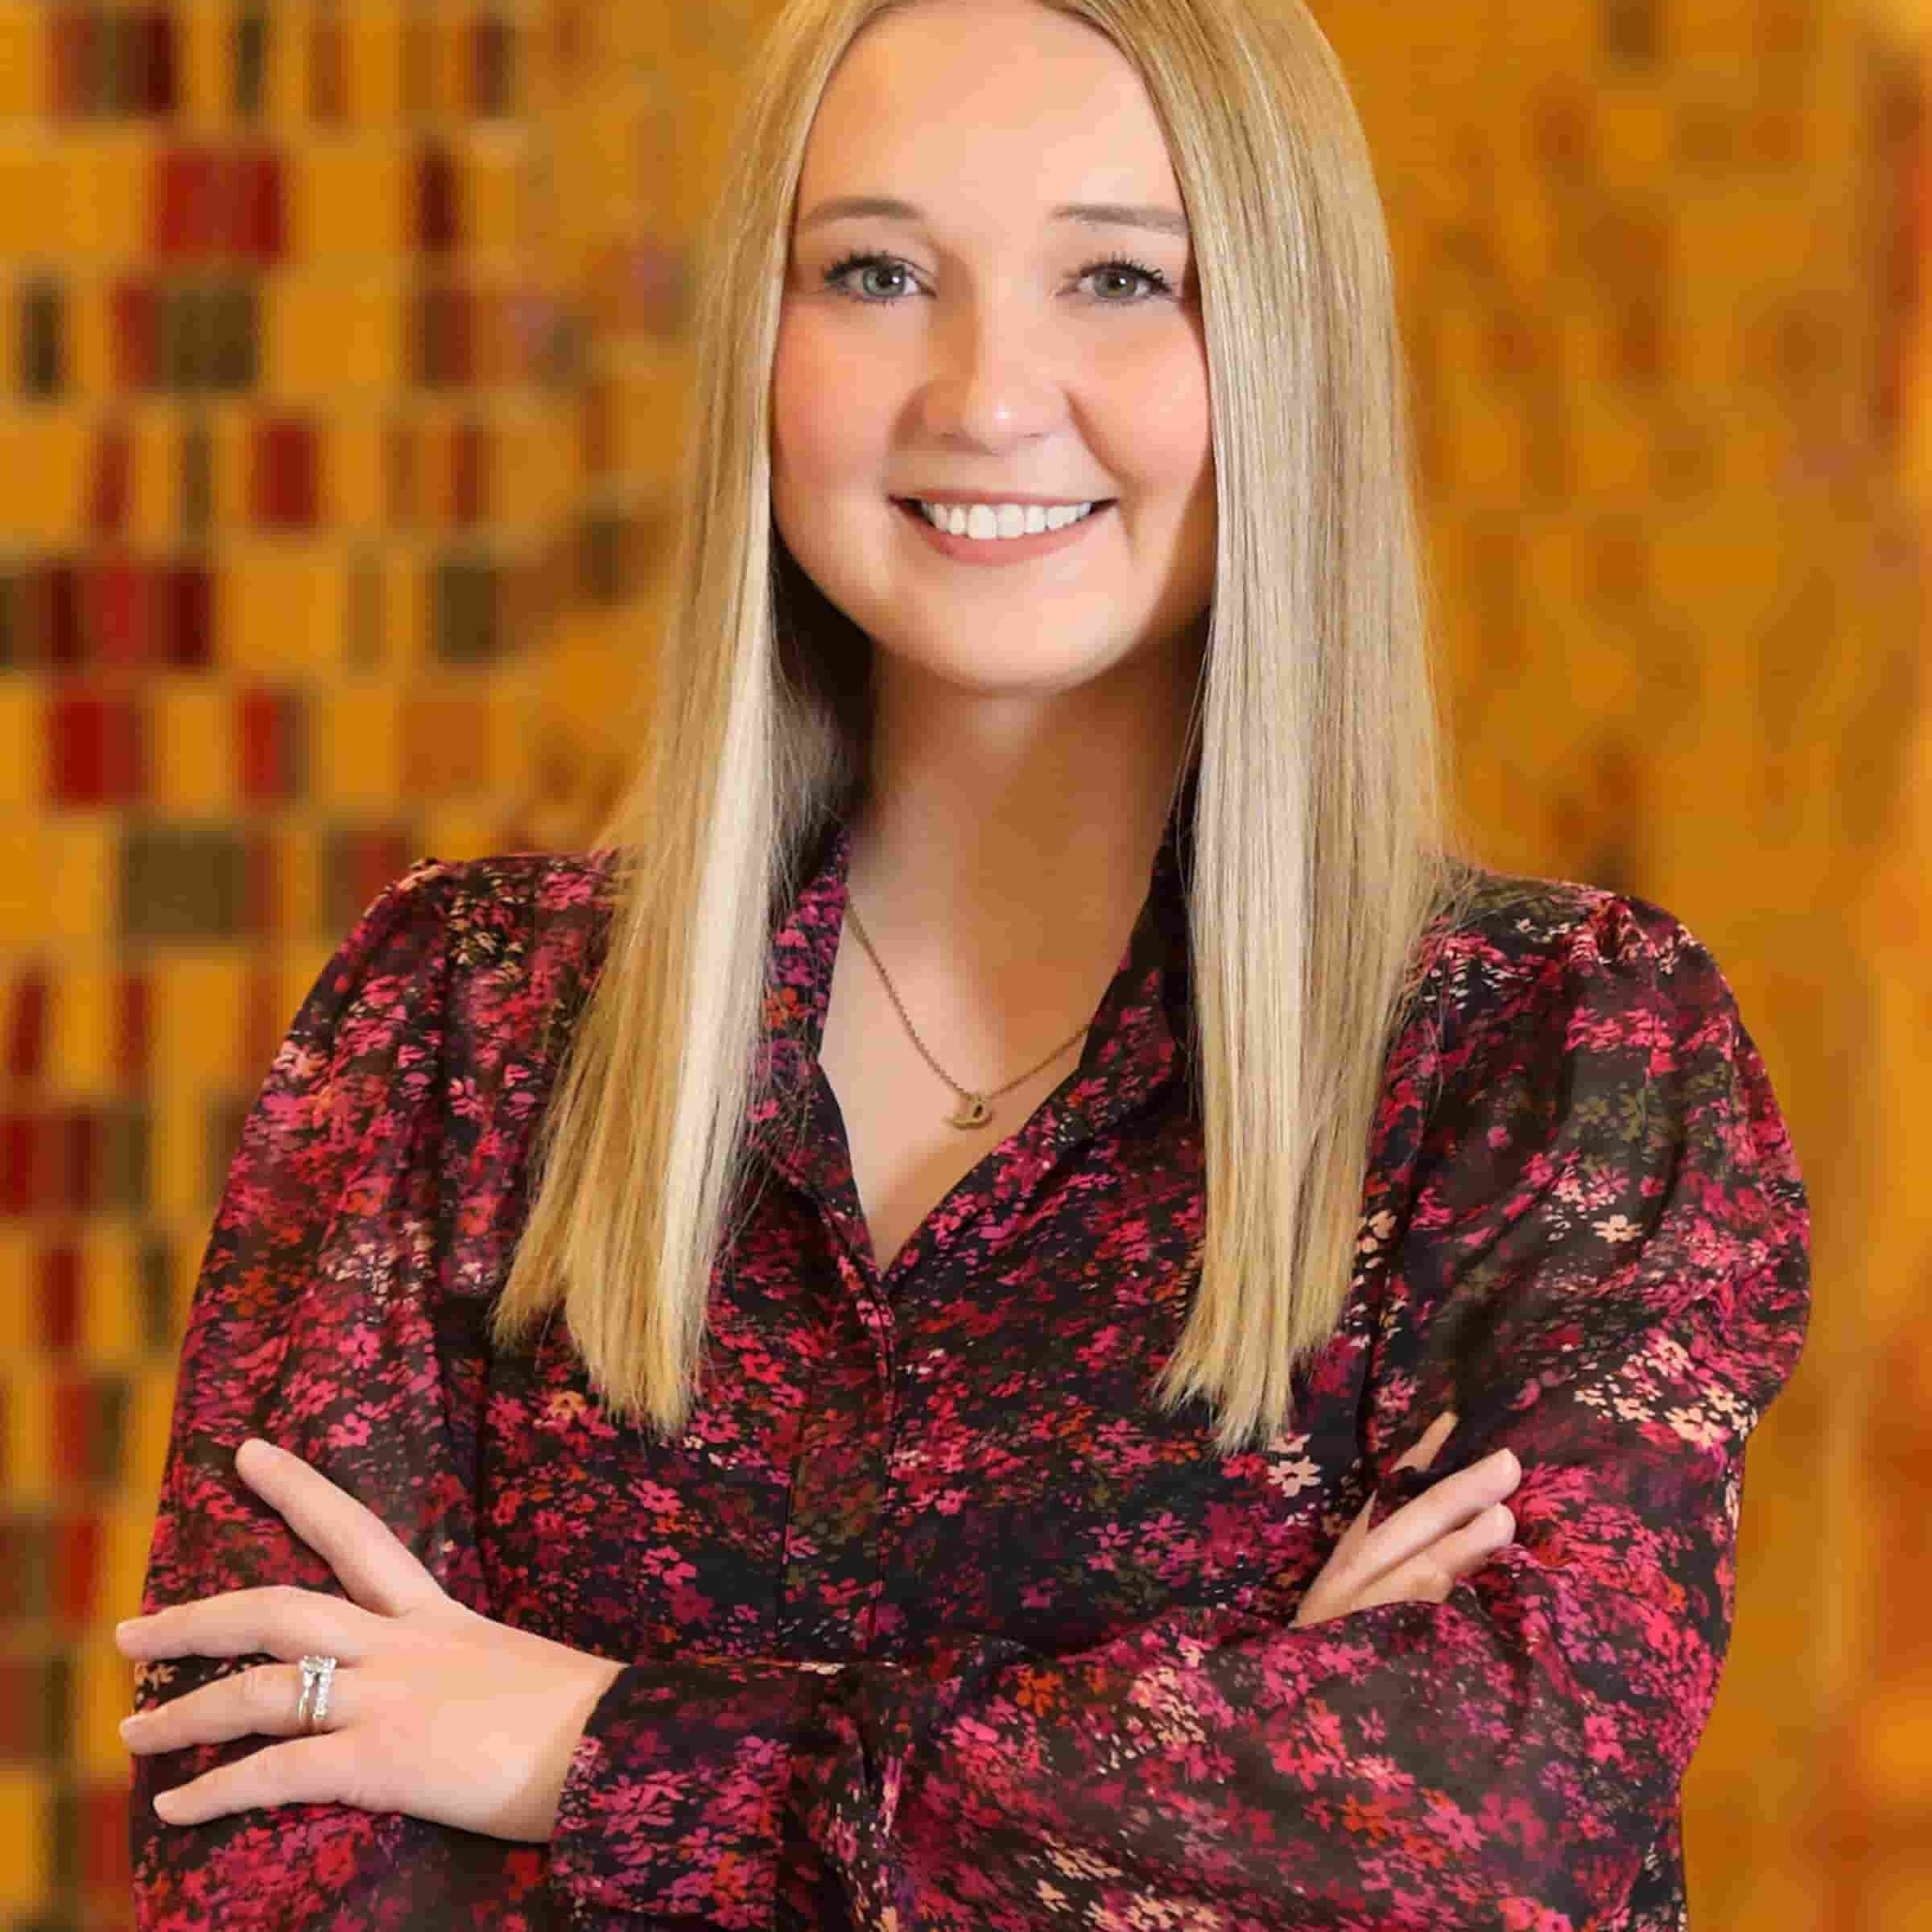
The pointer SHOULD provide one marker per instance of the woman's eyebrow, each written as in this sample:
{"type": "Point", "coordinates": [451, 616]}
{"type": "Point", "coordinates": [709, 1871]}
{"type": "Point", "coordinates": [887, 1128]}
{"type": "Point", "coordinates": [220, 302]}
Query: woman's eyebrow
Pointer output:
{"type": "Point", "coordinates": [1095, 214]}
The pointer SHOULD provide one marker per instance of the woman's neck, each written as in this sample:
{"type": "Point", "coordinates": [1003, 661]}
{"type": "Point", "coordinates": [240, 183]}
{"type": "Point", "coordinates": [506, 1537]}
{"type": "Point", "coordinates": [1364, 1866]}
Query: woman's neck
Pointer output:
{"type": "Point", "coordinates": [997, 834]}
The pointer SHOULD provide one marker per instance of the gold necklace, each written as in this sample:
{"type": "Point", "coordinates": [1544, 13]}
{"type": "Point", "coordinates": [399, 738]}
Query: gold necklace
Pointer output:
{"type": "Point", "coordinates": [973, 1109]}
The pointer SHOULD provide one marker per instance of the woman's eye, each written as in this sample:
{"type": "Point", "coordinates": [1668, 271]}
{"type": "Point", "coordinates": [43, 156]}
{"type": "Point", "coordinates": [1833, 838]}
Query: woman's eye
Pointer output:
{"type": "Point", "coordinates": [839, 278]}
{"type": "Point", "coordinates": [862, 264]}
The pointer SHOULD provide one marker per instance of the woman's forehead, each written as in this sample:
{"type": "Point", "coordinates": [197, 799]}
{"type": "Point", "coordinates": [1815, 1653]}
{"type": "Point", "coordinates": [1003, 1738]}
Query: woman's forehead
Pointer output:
{"type": "Point", "coordinates": [921, 125]}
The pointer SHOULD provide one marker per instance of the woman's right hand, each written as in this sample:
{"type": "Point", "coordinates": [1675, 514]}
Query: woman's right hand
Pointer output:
{"type": "Point", "coordinates": [1428, 1546]}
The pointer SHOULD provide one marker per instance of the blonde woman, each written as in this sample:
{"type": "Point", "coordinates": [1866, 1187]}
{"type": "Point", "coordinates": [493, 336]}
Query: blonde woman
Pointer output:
{"type": "Point", "coordinates": [935, 1333]}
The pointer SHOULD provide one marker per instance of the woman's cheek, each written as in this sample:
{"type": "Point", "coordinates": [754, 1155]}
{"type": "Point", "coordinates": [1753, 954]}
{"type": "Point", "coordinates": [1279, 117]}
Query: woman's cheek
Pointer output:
{"type": "Point", "coordinates": [824, 396]}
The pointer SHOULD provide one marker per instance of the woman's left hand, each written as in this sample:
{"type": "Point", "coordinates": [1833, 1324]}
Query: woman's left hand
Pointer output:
{"type": "Point", "coordinates": [434, 1710]}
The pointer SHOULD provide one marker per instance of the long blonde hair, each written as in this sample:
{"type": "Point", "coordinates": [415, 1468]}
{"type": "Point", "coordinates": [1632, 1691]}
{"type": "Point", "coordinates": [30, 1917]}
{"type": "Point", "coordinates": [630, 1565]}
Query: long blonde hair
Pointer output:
{"type": "Point", "coordinates": [1318, 857]}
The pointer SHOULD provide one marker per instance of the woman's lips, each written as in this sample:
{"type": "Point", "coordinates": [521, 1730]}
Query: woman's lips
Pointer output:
{"type": "Point", "coordinates": [1002, 550]}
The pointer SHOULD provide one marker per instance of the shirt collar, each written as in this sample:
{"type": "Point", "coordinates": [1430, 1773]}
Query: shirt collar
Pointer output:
{"type": "Point", "coordinates": [1139, 1040]}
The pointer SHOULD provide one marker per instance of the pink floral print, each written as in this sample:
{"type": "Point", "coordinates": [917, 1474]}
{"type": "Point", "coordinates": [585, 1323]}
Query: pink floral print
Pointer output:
{"type": "Point", "coordinates": [930, 1618]}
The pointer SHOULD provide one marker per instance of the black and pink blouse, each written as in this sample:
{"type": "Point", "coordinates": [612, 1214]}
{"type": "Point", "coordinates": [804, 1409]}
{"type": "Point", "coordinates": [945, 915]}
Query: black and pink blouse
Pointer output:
{"type": "Point", "coordinates": [930, 1618]}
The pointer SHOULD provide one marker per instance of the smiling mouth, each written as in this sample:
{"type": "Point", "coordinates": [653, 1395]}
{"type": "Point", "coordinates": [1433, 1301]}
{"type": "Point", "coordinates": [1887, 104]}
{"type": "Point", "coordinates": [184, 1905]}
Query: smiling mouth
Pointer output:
{"type": "Point", "coordinates": [910, 506]}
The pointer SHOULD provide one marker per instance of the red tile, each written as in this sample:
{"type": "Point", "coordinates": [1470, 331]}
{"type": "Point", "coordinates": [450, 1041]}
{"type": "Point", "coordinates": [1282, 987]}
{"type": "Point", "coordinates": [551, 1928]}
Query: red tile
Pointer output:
{"type": "Point", "coordinates": [134, 314]}
{"type": "Point", "coordinates": [373, 860]}
{"type": "Point", "coordinates": [101, 1815]}
{"type": "Point", "coordinates": [119, 595]}
{"type": "Point", "coordinates": [133, 1024]}
{"type": "Point", "coordinates": [81, 1145]}
{"type": "Point", "coordinates": [156, 26]}
{"type": "Point", "coordinates": [42, 1157]}
{"type": "Point", "coordinates": [186, 193]}
{"type": "Point", "coordinates": [187, 630]}
{"type": "Point", "coordinates": [73, 36]}
{"type": "Point", "coordinates": [445, 338]}
{"type": "Point", "coordinates": [285, 474]}
{"type": "Point", "coordinates": [255, 201]}
{"type": "Point", "coordinates": [207, 203]}
{"type": "Point", "coordinates": [94, 743]}
{"type": "Point", "coordinates": [16, 1163]}
{"type": "Point", "coordinates": [27, 1027]}
{"type": "Point", "coordinates": [77, 1540]}
{"type": "Point", "coordinates": [258, 746]}
{"type": "Point", "coordinates": [20, 1680]}
{"type": "Point", "coordinates": [108, 481]}
{"type": "Point", "coordinates": [435, 201]}
{"type": "Point", "coordinates": [57, 1298]}
{"type": "Point", "coordinates": [71, 1421]}
{"type": "Point", "coordinates": [62, 604]}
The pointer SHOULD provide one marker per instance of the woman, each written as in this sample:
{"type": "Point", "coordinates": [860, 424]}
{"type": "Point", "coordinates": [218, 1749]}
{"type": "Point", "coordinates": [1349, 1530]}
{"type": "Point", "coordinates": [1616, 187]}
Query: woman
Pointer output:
{"type": "Point", "coordinates": [978, 1481]}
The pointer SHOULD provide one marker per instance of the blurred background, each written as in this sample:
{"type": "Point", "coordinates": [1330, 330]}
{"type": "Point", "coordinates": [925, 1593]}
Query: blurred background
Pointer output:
{"type": "Point", "coordinates": [343, 354]}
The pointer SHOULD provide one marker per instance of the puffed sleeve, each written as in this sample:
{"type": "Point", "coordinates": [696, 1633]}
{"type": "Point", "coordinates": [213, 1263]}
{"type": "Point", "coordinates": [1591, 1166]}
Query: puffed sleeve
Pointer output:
{"type": "Point", "coordinates": [313, 1323]}
{"type": "Point", "coordinates": [1599, 1257]}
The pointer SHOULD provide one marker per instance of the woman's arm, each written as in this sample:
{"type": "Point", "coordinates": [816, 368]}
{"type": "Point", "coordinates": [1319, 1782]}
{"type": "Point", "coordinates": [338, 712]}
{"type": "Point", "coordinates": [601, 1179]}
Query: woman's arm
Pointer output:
{"type": "Point", "coordinates": [314, 1323]}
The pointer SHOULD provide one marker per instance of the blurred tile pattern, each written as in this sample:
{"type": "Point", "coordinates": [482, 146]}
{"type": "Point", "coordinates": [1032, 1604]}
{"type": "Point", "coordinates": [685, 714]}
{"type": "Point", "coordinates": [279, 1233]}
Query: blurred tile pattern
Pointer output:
{"type": "Point", "coordinates": [342, 377]}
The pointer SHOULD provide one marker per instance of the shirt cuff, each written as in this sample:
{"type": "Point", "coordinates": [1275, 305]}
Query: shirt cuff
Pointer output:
{"type": "Point", "coordinates": [674, 1802]}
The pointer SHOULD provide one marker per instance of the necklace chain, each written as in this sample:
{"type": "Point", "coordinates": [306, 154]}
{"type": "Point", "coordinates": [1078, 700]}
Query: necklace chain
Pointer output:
{"type": "Point", "coordinates": [974, 1110]}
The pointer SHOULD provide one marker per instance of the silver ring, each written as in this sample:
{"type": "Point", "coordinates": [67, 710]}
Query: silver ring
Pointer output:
{"type": "Point", "coordinates": [318, 1674]}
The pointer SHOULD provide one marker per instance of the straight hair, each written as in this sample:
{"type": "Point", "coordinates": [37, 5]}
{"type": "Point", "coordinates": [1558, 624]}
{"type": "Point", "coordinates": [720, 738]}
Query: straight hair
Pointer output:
{"type": "Point", "coordinates": [1318, 859]}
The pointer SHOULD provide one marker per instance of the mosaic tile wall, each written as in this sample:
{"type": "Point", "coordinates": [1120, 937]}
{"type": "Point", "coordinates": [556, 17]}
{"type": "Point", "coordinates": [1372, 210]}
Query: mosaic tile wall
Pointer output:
{"type": "Point", "coordinates": [1662, 264]}
{"type": "Point", "coordinates": [341, 380]}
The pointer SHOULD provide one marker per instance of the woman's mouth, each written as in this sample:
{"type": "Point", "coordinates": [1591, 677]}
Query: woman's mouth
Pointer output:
{"type": "Point", "coordinates": [993, 548]}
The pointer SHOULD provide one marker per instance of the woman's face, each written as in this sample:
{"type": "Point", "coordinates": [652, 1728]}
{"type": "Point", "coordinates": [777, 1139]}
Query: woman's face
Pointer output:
{"type": "Point", "coordinates": [992, 349]}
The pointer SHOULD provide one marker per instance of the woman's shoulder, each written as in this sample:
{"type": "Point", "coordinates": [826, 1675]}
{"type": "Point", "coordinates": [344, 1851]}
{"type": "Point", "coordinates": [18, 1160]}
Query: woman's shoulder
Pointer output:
{"type": "Point", "coordinates": [502, 911]}
{"type": "Point", "coordinates": [497, 949]}
{"type": "Point", "coordinates": [1513, 948]}
{"type": "Point", "coordinates": [1516, 916]}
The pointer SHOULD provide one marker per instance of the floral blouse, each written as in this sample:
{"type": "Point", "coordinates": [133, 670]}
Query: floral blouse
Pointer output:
{"type": "Point", "coordinates": [931, 1619]}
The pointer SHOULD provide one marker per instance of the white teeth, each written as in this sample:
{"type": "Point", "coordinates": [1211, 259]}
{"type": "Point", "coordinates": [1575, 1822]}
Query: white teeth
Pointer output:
{"type": "Point", "coordinates": [990, 521]}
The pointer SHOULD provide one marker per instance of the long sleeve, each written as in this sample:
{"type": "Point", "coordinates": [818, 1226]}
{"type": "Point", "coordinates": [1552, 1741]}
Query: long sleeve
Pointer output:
{"type": "Point", "coordinates": [312, 1324]}
{"type": "Point", "coordinates": [1597, 1250]}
